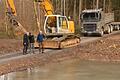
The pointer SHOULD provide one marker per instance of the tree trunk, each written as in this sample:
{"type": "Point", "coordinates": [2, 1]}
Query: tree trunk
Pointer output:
{"type": "Point", "coordinates": [74, 10]}
{"type": "Point", "coordinates": [97, 4]}
{"type": "Point", "coordinates": [104, 6]}
{"type": "Point", "coordinates": [94, 6]}
{"type": "Point", "coordinates": [109, 7]}
{"type": "Point", "coordinates": [64, 7]}
{"type": "Point", "coordinates": [80, 9]}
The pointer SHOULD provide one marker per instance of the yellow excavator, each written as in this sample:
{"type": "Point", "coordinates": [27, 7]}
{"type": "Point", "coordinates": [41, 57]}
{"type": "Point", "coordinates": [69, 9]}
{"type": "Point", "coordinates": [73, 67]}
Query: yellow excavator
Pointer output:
{"type": "Point", "coordinates": [58, 29]}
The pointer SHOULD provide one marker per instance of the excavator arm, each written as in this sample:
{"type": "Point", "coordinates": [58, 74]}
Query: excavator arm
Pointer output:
{"type": "Point", "coordinates": [11, 7]}
{"type": "Point", "coordinates": [12, 14]}
{"type": "Point", "coordinates": [46, 6]}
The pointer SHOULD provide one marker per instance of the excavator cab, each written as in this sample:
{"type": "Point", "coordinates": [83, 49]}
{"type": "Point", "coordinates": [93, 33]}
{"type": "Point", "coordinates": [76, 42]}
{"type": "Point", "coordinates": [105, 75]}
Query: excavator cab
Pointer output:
{"type": "Point", "coordinates": [56, 25]}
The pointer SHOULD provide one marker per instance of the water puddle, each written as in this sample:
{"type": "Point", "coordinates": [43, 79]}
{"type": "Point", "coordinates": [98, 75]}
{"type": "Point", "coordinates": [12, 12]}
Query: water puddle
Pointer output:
{"type": "Point", "coordinates": [69, 70]}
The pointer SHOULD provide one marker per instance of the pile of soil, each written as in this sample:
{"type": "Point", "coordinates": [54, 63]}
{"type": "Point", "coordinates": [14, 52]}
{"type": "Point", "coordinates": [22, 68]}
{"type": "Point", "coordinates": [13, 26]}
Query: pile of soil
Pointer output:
{"type": "Point", "coordinates": [106, 49]}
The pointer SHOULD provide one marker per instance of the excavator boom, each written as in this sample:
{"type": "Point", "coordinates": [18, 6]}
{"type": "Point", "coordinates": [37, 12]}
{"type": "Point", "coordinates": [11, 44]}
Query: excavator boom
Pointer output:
{"type": "Point", "coordinates": [11, 7]}
{"type": "Point", "coordinates": [46, 5]}
{"type": "Point", "coordinates": [12, 14]}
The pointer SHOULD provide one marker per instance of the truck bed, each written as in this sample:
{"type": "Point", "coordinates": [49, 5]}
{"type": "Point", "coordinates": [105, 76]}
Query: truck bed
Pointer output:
{"type": "Point", "coordinates": [109, 17]}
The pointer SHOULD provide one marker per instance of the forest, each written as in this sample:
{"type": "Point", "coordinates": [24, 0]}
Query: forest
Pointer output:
{"type": "Point", "coordinates": [26, 12]}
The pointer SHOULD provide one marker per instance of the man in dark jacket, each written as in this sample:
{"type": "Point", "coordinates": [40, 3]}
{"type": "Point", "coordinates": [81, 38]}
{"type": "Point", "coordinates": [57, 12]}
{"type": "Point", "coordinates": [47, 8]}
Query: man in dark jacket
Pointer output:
{"type": "Point", "coordinates": [32, 41]}
{"type": "Point", "coordinates": [25, 43]}
{"type": "Point", "coordinates": [40, 39]}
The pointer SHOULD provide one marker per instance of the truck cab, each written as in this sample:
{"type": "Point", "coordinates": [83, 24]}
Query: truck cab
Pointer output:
{"type": "Point", "coordinates": [90, 20]}
{"type": "Point", "coordinates": [95, 21]}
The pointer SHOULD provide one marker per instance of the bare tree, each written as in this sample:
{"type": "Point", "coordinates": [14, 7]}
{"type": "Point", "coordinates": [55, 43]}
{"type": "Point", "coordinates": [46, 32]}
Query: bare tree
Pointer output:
{"type": "Point", "coordinates": [74, 10]}
{"type": "Point", "coordinates": [104, 5]}
{"type": "Point", "coordinates": [109, 6]}
{"type": "Point", "coordinates": [94, 5]}
{"type": "Point", "coordinates": [64, 6]}
{"type": "Point", "coordinates": [61, 7]}
{"type": "Point", "coordinates": [80, 9]}
{"type": "Point", "coordinates": [97, 4]}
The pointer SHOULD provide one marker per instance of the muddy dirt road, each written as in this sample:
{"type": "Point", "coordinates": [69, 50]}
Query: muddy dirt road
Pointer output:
{"type": "Point", "coordinates": [93, 38]}
{"type": "Point", "coordinates": [12, 50]}
{"type": "Point", "coordinates": [106, 48]}
{"type": "Point", "coordinates": [17, 53]}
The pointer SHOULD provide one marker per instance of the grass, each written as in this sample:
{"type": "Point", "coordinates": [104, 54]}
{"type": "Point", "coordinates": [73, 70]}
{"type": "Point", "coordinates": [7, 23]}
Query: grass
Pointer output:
{"type": "Point", "coordinates": [3, 35]}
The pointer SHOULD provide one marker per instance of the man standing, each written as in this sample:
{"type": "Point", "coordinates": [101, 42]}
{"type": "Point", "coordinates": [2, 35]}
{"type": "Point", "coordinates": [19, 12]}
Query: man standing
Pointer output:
{"type": "Point", "coordinates": [25, 43]}
{"type": "Point", "coordinates": [32, 41]}
{"type": "Point", "coordinates": [40, 39]}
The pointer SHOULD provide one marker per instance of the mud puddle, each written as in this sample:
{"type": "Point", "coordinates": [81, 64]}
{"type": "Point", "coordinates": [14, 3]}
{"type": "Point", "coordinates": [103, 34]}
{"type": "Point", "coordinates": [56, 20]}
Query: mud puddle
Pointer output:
{"type": "Point", "coordinates": [69, 70]}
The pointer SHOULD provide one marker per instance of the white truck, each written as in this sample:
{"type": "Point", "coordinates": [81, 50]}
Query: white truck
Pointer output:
{"type": "Point", "coordinates": [95, 21]}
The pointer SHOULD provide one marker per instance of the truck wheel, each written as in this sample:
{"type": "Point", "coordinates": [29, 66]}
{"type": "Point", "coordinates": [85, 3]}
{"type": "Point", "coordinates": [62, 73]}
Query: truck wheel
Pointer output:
{"type": "Point", "coordinates": [109, 30]}
{"type": "Point", "coordinates": [117, 28]}
{"type": "Point", "coordinates": [101, 33]}
{"type": "Point", "coordinates": [85, 34]}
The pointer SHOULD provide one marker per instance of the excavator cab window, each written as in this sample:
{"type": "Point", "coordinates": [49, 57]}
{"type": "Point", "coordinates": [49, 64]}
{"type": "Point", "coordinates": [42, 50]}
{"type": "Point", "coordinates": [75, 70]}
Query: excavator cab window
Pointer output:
{"type": "Point", "coordinates": [63, 23]}
{"type": "Point", "coordinates": [51, 24]}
